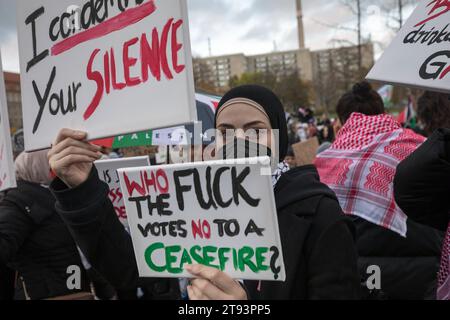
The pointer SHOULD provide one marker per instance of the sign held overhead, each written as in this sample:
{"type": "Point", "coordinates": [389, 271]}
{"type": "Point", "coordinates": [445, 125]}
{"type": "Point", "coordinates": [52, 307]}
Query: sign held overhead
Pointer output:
{"type": "Point", "coordinates": [105, 67]}
{"type": "Point", "coordinates": [419, 56]}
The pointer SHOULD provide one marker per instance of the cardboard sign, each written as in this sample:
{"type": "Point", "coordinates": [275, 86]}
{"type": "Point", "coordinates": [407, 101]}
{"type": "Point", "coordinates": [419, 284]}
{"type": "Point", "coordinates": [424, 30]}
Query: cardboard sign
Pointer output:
{"type": "Point", "coordinates": [7, 172]}
{"type": "Point", "coordinates": [107, 172]}
{"type": "Point", "coordinates": [306, 152]}
{"type": "Point", "coordinates": [105, 67]}
{"type": "Point", "coordinates": [419, 56]}
{"type": "Point", "coordinates": [221, 214]}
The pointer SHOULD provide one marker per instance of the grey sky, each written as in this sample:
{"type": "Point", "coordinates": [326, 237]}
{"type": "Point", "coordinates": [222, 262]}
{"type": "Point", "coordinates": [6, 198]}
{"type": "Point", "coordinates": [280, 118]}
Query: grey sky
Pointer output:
{"type": "Point", "coordinates": [250, 26]}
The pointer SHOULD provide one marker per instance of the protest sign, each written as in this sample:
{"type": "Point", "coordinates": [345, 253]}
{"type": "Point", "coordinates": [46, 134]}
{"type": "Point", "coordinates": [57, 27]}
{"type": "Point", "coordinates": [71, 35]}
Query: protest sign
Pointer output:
{"type": "Point", "coordinates": [107, 172]}
{"type": "Point", "coordinates": [105, 67]}
{"type": "Point", "coordinates": [7, 172]}
{"type": "Point", "coordinates": [419, 54]}
{"type": "Point", "coordinates": [306, 152]}
{"type": "Point", "coordinates": [220, 214]}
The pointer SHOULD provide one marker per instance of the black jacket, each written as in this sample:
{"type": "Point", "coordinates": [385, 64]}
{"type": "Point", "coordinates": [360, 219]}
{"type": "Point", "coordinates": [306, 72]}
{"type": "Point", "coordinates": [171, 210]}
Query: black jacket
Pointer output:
{"type": "Point", "coordinates": [93, 223]}
{"type": "Point", "coordinates": [408, 265]}
{"type": "Point", "coordinates": [317, 239]}
{"type": "Point", "coordinates": [318, 247]}
{"type": "Point", "coordinates": [35, 242]}
{"type": "Point", "coordinates": [422, 182]}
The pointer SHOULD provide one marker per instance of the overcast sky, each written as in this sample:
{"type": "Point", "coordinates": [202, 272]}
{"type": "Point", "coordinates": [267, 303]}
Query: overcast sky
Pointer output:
{"type": "Point", "coordinates": [247, 26]}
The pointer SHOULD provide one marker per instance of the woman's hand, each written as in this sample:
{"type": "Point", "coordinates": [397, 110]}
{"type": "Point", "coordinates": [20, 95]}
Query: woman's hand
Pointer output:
{"type": "Point", "coordinates": [213, 284]}
{"type": "Point", "coordinates": [71, 157]}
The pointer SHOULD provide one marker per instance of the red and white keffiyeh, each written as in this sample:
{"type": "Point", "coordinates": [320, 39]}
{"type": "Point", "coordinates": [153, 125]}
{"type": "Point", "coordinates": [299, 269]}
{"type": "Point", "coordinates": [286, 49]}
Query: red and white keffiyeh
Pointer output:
{"type": "Point", "coordinates": [443, 292]}
{"type": "Point", "coordinates": [360, 167]}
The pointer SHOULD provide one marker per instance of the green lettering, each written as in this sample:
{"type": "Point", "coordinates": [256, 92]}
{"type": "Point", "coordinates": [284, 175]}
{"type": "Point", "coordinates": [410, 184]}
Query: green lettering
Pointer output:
{"type": "Point", "coordinates": [148, 256]}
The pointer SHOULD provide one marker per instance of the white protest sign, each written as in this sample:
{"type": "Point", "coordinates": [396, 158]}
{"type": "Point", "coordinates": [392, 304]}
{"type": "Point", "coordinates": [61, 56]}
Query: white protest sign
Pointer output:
{"type": "Point", "coordinates": [105, 67]}
{"type": "Point", "coordinates": [221, 214]}
{"type": "Point", "coordinates": [419, 56]}
{"type": "Point", "coordinates": [107, 172]}
{"type": "Point", "coordinates": [7, 172]}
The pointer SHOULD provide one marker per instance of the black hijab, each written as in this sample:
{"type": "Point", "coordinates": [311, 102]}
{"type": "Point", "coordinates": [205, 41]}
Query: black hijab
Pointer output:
{"type": "Point", "coordinates": [271, 104]}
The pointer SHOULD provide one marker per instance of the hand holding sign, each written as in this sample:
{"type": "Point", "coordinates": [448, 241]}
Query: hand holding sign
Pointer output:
{"type": "Point", "coordinates": [72, 158]}
{"type": "Point", "coordinates": [212, 284]}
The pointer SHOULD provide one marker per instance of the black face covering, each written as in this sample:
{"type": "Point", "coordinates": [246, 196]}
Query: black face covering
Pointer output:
{"type": "Point", "coordinates": [271, 105]}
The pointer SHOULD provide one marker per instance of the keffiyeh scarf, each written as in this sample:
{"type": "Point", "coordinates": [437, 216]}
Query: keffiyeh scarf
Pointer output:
{"type": "Point", "coordinates": [360, 167]}
{"type": "Point", "coordinates": [444, 274]}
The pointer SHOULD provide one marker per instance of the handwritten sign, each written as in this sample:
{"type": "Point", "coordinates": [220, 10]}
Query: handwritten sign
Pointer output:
{"type": "Point", "coordinates": [105, 67]}
{"type": "Point", "coordinates": [107, 172]}
{"type": "Point", "coordinates": [221, 214]}
{"type": "Point", "coordinates": [7, 172]}
{"type": "Point", "coordinates": [306, 152]}
{"type": "Point", "coordinates": [419, 56]}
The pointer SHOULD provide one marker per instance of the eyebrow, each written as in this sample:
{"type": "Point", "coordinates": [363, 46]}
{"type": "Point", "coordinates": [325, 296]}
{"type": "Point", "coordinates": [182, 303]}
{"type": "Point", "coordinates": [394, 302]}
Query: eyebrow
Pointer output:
{"type": "Point", "coordinates": [247, 125]}
{"type": "Point", "coordinates": [225, 126]}
{"type": "Point", "coordinates": [254, 123]}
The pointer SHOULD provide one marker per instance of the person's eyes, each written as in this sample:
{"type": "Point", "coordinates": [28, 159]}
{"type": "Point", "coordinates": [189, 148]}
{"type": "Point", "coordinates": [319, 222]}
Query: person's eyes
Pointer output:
{"type": "Point", "coordinates": [257, 134]}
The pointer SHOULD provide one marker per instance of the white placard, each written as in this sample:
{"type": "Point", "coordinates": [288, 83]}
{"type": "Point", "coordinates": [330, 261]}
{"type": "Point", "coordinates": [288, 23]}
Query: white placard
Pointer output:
{"type": "Point", "coordinates": [105, 67]}
{"type": "Point", "coordinates": [107, 172]}
{"type": "Point", "coordinates": [419, 56]}
{"type": "Point", "coordinates": [7, 172]}
{"type": "Point", "coordinates": [221, 214]}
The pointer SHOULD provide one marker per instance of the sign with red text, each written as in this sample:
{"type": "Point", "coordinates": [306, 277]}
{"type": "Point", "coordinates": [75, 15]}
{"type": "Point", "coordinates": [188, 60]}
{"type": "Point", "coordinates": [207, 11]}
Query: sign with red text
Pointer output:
{"type": "Point", "coordinates": [7, 172]}
{"type": "Point", "coordinates": [105, 67]}
{"type": "Point", "coordinates": [419, 56]}
{"type": "Point", "coordinates": [107, 172]}
{"type": "Point", "coordinates": [220, 214]}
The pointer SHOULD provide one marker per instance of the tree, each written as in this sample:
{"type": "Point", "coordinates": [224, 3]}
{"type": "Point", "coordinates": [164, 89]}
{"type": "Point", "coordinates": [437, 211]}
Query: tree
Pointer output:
{"type": "Point", "coordinates": [291, 90]}
{"type": "Point", "coordinates": [268, 79]}
{"type": "Point", "coordinates": [394, 11]}
{"type": "Point", "coordinates": [202, 77]}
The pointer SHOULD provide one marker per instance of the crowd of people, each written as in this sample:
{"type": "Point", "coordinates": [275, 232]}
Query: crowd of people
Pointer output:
{"type": "Point", "coordinates": [374, 199]}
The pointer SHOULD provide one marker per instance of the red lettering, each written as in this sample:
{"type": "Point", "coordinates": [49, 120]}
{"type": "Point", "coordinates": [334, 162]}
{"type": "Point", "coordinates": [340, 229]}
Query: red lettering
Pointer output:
{"type": "Point", "coordinates": [120, 212]}
{"type": "Point", "coordinates": [163, 48]}
{"type": "Point", "coordinates": [133, 185]}
{"type": "Point", "coordinates": [97, 77]}
{"type": "Point", "coordinates": [201, 229]}
{"type": "Point", "coordinates": [116, 86]}
{"type": "Point", "coordinates": [129, 62]}
{"type": "Point", "coordinates": [176, 47]}
{"type": "Point", "coordinates": [150, 57]}
{"type": "Point", "coordinates": [107, 73]}
{"type": "Point", "coordinates": [161, 174]}
{"type": "Point", "coordinates": [153, 59]}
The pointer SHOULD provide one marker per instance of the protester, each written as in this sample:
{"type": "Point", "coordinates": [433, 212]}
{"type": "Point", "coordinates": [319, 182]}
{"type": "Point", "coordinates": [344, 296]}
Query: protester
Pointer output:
{"type": "Point", "coordinates": [433, 111]}
{"type": "Point", "coordinates": [327, 132]}
{"type": "Point", "coordinates": [33, 238]}
{"type": "Point", "coordinates": [290, 158]}
{"type": "Point", "coordinates": [360, 167]}
{"type": "Point", "coordinates": [421, 184]}
{"type": "Point", "coordinates": [293, 133]}
{"type": "Point", "coordinates": [317, 240]}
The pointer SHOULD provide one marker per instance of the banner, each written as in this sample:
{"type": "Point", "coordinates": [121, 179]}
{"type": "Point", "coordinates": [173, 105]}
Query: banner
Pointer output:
{"type": "Point", "coordinates": [220, 214]}
{"type": "Point", "coordinates": [7, 172]}
{"type": "Point", "coordinates": [306, 151]}
{"type": "Point", "coordinates": [419, 56]}
{"type": "Point", "coordinates": [107, 172]}
{"type": "Point", "coordinates": [105, 67]}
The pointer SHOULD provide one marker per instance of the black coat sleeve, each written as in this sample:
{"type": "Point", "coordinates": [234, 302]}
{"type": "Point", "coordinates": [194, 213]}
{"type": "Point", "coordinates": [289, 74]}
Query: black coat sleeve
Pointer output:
{"type": "Point", "coordinates": [422, 182]}
{"type": "Point", "coordinates": [332, 266]}
{"type": "Point", "coordinates": [15, 227]}
{"type": "Point", "coordinates": [92, 221]}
